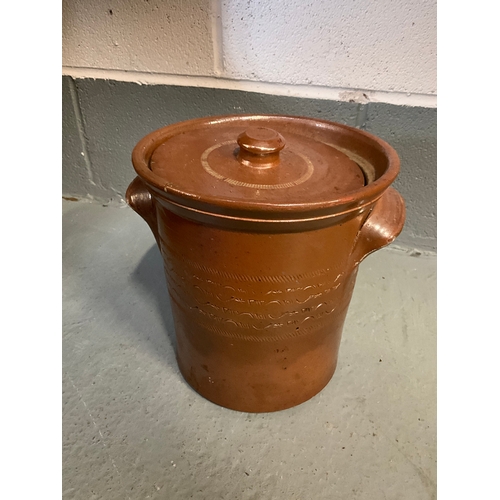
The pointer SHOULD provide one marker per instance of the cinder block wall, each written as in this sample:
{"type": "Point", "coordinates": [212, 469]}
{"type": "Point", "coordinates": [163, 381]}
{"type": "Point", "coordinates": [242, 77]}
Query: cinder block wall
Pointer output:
{"type": "Point", "coordinates": [133, 66]}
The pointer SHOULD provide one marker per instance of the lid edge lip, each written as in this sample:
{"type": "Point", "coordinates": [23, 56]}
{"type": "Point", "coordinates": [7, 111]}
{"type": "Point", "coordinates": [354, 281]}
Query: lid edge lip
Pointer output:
{"type": "Point", "coordinates": [278, 221]}
{"type": "Point", "coordinates": [144, 149]}
{"type": "Point", "coordinates": [227, 206]}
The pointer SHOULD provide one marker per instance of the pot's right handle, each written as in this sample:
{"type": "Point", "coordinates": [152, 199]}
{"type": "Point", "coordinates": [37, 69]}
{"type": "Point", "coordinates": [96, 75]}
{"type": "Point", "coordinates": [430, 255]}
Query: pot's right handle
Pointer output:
{"type": "Point", "coordinates": [140, 200]}
{"type": "Point", "coordinates": [385, 222]}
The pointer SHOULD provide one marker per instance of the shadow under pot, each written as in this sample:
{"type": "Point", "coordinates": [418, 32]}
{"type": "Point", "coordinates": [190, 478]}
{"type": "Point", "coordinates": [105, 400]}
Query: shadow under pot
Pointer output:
{"type": "Point", "coordinates": [262, 222]}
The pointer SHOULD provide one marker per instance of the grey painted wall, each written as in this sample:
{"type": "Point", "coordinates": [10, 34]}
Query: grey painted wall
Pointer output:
{"type": "Point", "coordinates": [103, 120]}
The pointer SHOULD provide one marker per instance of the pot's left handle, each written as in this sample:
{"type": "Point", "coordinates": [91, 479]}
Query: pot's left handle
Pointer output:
{"type": "Point", "coordinates": [140, 200]}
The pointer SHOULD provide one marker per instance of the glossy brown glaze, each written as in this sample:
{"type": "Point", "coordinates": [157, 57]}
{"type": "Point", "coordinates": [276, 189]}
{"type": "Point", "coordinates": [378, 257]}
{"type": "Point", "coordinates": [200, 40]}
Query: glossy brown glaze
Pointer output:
{"type": "Point", "coordinates": [260, 282]}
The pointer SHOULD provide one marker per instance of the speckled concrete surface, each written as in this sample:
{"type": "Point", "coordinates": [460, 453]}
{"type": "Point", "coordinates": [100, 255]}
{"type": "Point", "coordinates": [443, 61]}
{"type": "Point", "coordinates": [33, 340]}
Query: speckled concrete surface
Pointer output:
{"type": "Point", "coordinates": [133, 429]}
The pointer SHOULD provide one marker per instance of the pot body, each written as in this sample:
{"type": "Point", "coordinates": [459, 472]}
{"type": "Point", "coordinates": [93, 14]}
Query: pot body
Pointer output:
{"type": "Point", "coordinates": [258, 316]}
{"type": "Point", "coordinates": [260, 290]}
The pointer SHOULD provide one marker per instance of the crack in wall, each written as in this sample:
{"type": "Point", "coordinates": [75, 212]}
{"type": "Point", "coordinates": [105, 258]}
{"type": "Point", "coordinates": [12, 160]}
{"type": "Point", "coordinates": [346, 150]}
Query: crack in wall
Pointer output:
{"type": "Point", "coordinates": [362, 116]}
{"type": "Point", "coordinates": [216, 22]}
{"type": "Point", "coordinates": [81, 129]}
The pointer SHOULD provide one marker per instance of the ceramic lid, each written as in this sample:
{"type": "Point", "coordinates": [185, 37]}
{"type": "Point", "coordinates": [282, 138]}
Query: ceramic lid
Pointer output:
{"type": "Point", "coordinates": [260, 162]}
{"type": "Point", "coordinates": [279, 166]}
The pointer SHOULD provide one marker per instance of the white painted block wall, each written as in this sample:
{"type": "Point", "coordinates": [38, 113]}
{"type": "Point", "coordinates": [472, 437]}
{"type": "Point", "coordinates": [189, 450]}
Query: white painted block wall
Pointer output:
{"type": "Point", "coordinates": [159, 36]}
{"type": "Point", "coordinates": [367, 44]}
{"type": "Point", "coordinates": [382, 47]}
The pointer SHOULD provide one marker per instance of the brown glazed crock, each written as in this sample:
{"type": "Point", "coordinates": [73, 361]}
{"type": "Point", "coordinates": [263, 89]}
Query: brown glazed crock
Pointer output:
{"type": "Point", "coordinates": [262, 221]}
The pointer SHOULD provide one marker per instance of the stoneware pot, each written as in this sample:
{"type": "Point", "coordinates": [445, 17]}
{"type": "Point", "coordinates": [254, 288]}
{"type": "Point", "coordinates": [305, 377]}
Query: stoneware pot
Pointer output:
{"type": "Point", "coordinates": [262, 222]}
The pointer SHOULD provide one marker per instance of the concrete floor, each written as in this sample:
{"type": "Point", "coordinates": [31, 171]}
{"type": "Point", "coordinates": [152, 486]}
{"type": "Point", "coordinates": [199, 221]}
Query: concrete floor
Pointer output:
{"type": "Point", "coordinates": [133, 429]}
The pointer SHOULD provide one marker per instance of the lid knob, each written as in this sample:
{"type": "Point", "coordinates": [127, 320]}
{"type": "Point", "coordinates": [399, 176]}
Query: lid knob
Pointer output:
{"type": "Point", "coordinates": [260, 147]}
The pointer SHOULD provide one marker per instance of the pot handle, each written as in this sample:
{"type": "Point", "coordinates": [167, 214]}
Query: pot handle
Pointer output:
{"type": "Point", "coordinates": [140, 200]}
{"type": "Point", "coordinates": [383, 224]}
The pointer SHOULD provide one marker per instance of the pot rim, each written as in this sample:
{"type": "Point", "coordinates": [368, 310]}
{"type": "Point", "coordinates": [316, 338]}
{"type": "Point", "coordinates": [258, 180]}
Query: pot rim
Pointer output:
{"type": "Point", "coordinates": [356, 200]}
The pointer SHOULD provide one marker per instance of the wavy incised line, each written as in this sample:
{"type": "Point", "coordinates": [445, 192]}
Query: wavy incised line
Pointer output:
{"type": "Point", "coordinates": [297, 332]}
{"type": "Point", "coordinates": [253, 315]}
{"type": "Point", "coordinates": [318, 285]}
{"type": "Point", "coordinates": [180, 290]}
{"type": "Point", "coordinates": [261, 317]}
{"type": "Point", "coordinates": [315, 296]}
